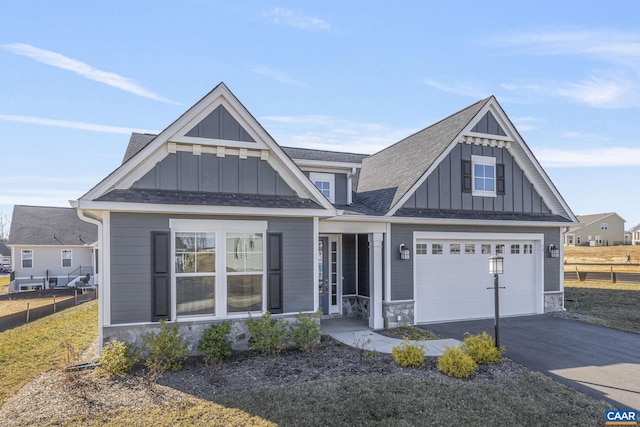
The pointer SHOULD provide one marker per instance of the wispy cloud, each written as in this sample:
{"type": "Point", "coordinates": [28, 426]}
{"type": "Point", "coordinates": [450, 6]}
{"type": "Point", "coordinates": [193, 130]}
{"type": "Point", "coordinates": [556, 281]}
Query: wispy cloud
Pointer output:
{"type": "Point", "coordinates": [602, 91]}
{"type": "Point", "coordinates": [594, 157]}
{"type": "Point", "coordinates": [465, 89]}
{"type": "Point", "coordinates": [332, 133]}
{"type": "Point", "coordinates": [291, 18]}
{"type": "Point", "coordinates": [71, 124]}
{"type": "Point", "coordinates": [85, 70]}
{"type": "Point", "coordinates": [276, 75]}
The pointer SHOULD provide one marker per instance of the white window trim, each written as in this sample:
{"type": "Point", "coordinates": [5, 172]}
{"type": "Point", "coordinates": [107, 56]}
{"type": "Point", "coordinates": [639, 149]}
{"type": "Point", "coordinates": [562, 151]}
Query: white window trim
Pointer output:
{"type": "Point", "coordinates": [483, 160]}
{"type": "Point", "coordinates": [221, 228]}
{"type": "Point", "coordinates": [62, 258]}
{"type": "Point", "coordinates": [325, 177]}
{"type": "Point", "coordinates": [22, 258]}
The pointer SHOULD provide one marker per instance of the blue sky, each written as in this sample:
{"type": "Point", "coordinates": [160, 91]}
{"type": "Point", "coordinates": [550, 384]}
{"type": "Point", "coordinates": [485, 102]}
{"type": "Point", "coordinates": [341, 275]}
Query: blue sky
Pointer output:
{"type": "Point", "coordinates": [78, 77]}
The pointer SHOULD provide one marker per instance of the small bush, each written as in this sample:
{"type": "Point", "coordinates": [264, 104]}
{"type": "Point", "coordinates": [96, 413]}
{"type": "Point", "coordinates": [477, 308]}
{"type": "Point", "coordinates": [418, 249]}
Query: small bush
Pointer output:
{"type": "Point", "coordinates": [116, 360]}
{"type": "Point", "coordinates": [482, 348]}
{"type": "Point", "coordinates": [267, 336]}
{"type": "Point", "coordinates": [167, 350]}
{"type": "Point", "coordinates": [408, 354]}
{"type": "Point", "coordinates": [456, 363]}
{"type": "Point", "coordinates": [305, 333]}
{"type": "Point", "coordinates": [215, 344]}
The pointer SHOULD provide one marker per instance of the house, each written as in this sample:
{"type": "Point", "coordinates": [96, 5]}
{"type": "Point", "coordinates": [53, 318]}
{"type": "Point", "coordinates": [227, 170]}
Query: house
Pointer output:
{"type": "Point", "coordinates": [5, 257]}
{"type": "Point", "coordinates": [605, 229]}
{"type": "Point", "coordinates": [633, 235]}
{"type": "Point", "coordinates": [51, 247]}
{"type": "Point", "coordinates": [212, 219]}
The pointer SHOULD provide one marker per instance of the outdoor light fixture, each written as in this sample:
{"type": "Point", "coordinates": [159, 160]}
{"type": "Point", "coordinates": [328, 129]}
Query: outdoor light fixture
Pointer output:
{"type": "Point", "coordinates": [404, 252]}
{"type": "Point", "coordinates": [554, 252]}
{"type": "Point", "coordinates": [496, 264]}
{"type": "Point", "coordinates": [496, 267]}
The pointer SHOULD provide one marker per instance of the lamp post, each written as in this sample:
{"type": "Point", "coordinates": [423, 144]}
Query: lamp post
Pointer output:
{"type": "Point", "coordinates": [496, 266]}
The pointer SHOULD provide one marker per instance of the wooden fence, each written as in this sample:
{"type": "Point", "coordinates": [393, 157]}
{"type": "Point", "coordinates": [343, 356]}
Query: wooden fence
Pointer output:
{"type": "Point", "coordinates": [602, 276]}
{"type": "Point", "coordinates": [31, 314]}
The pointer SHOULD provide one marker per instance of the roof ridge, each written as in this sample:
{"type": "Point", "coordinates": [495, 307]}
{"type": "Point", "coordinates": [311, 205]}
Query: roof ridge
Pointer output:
{"type": "Point", "coordinates": [324, 151]}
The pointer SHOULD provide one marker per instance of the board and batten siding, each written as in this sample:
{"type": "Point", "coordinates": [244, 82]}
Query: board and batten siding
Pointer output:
{"type": "Point", "coordinates": [443, 188]}
{"type": "Point", "coordinates": [402, 271]}
{"type": "Point", "coordinates": [207, 172]}
{"type": "Point", "coordinates": [131, 262]}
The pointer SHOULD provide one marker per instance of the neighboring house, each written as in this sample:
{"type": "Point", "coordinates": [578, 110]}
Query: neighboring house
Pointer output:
{"type": "Point", "coordinates": [213, 220]}
{"type": "Point", "coordinates": [5, 257]}
{"type": "Point", "coordinates": [633, 235]}
{"type": "Point", "coordinates": [51, 247]}
{"type": "Point", "coordinates": [606, 229]}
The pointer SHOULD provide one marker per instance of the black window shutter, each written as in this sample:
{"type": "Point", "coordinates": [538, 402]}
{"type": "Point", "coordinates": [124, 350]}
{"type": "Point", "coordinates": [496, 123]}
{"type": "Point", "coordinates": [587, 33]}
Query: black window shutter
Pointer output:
{"type": "Point", "coordinates": [160, 272]}
{"type": "Point", "coordinates": [500, 179]}
{"type": "Point", "coordinates": [274, 272]}
{"type": "Point", "coordinates": [466, 176]}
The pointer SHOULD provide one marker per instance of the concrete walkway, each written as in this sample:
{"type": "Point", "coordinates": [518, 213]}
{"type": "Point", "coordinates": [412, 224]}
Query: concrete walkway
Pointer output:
{"type": "Point", "coordinates": [356, 333]}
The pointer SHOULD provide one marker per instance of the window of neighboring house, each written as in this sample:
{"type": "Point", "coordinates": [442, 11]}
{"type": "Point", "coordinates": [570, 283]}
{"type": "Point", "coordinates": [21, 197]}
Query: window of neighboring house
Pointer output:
{"type": "Point", "coordinates": [325, 182]}
{"type": "Point", "coordinates": [244, 272]}
{"type": "Point", "coordinates": [66, 257]}
{"type": "Point", "coordinates": [599, 240]}
{"type": "Point", "coordinates": [604, 226]}
{"type": "Point", "coordinates": [195, 268]}
{"type": "Point", "coordinates": [578, 240]}
{"type": "Point", "coordinates": [484, 176]}
{"type": "Point", "coordinates": [27, 258]}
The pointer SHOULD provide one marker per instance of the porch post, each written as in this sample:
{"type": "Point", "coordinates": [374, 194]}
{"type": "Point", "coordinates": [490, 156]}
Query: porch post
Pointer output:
{"type": "Point", "coordinates": [375, 294]}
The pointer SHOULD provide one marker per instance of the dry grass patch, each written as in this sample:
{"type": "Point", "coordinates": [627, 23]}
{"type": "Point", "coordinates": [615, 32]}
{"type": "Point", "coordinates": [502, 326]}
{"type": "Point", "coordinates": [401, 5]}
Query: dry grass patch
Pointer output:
{"type": "Point", "coordinates": [592, 256]}
{"type": "Point", "coordinates": [4, 285]}
{"type": "Point", "coordinates": [18, 305]}
{"type": "Point", "coordinates": [31, 349]}
{"type": "Point", "coordinates": [614, 305]}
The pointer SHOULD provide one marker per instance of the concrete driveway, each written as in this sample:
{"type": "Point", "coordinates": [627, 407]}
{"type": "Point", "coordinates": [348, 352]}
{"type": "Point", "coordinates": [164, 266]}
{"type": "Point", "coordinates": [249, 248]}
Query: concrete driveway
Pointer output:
{"type": "Point", "coordinates": [602, 362]}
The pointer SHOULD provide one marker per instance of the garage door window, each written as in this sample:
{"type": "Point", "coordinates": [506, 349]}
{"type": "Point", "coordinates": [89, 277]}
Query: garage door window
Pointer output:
{"type": "Point", "coordinates": [527, 249]}
{"type": "Point", "coordinates": [486, 249]}
{"type": "Point", "coordinates": [454, 249]}
{"type": "Point", "coordinates": [421, 249]}
{"type": "Point", "coordinates": [469, 248]}
{"type": "Point", "coordinates": [515, 249]}
{"type": "Point", "coordinates": [436, 249]}
{"type": "Point", "coordinates": [499, 249]}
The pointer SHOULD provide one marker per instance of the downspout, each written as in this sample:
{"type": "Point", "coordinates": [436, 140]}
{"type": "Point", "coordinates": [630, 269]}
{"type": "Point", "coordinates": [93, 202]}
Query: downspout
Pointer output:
{"type": "Point", "coordinates": [350, 186]}
{"type": "Point", "coordinates": [97, 222]}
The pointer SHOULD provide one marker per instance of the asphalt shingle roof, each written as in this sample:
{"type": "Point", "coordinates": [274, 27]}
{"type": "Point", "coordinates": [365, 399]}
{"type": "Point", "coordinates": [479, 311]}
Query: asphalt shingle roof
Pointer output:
{"type": "Point", "coordinates": [402, 164]}
{"type": "Point", "coordinates": [322, 155]}
{"type": "Point", "coordinates": [488, 215]}
{"type": "Point", "coordinates": [42, 225]}
{"type": "Point", "coordinates": [136, 143]}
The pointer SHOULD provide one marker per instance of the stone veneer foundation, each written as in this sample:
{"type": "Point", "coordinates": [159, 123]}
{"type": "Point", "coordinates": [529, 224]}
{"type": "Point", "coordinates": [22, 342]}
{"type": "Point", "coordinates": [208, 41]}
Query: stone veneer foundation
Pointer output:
{"type": "Point", "coordinates": [392, 311]}
{"type": "Point", "coordinates": [355, 306]}
{"type": "Point", "coordinates": [553, 301]}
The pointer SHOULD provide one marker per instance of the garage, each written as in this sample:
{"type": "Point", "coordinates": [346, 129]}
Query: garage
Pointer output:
{"type": "Point", "coordinates": [451, 275]}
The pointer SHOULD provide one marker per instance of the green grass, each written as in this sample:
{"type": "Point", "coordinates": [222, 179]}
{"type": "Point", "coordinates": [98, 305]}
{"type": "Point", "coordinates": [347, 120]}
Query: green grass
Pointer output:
{"type": "Point", "coordinates": [369, 400]}
{"type": "Point", "coordinates": [614, 305]}
{"type": "Point", "coordinates": [29, 350]}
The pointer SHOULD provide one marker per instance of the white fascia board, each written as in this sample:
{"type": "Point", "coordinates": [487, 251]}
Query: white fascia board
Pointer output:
{"type": "Point", "coordinates": [485, 222]}
{"type": "Point", "coordinates": [304, 163]}
{"type": "Point", "coordinates": [330, 226]}
{"type": "Point", "coordinates": [203, 209]}
{"type": "Point", "coordinates": [454, 235]}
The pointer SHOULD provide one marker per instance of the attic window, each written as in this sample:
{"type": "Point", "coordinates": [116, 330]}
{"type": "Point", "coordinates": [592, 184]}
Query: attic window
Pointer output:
{"type": "Point", "coordinates": [325, 182]}
{"type": "Point", "coordinates": [484, 176]}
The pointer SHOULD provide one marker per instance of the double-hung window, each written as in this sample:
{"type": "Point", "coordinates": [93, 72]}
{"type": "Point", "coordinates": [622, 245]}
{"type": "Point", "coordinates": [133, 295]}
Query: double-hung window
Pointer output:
{"type": "Point", "coordinates": [27, 258]}
{"type": "Point", "coordinates": [484, 175]}
{"type": "Point", "coordinates": [66, 256]}
{"type": "Point", "coordinates": [218, 267]}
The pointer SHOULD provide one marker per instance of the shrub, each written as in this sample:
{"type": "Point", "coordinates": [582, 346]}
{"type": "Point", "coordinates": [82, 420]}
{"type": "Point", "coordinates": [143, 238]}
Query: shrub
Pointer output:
{"type": "Point", "coordinates": [305, 333]}
{"type": "Point", "coordinates": [267, 336]}
{"type": "Point", "coordinates": [456, 363]}
{"type": "Point", "coordinates": [167, 350]}
{"type": "Point", "coordinates": [482, 348]}
{"type": "Point", "coordinates": [214, 344]}
{"type": "Point", "coordinates": [116, 360]}
{"type": "Point", "coordinates": [408, 354]}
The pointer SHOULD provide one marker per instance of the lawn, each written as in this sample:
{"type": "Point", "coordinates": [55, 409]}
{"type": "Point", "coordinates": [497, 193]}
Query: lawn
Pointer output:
{"type": "Point", "coordinates": [28, 350]}
{"type": "Point", "coordinates": [4, 285]}
{"type": "Point", "coordinates": [18, 305]}
{"type": "Point", "coordinates": [602, 258]}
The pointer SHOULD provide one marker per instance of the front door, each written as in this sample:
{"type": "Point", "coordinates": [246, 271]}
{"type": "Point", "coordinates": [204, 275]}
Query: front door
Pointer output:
{"type": "Point", "coordinates": [323, 273]}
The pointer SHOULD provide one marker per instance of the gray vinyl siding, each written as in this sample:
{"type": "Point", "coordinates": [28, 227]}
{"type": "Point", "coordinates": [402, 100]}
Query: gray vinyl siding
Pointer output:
{"type": "Point", "coordinates": [402, 270]}
{"type": "Point", "coordinates": [340, 182]}
{"type": "Point", "coordinates": [443, 188]}
{"type": "Point", "coordinates": [131, 262]}
{"type": "Point", "coordinates": [220, 124]}
{"type": "Point", "coordinates": [185, 171]}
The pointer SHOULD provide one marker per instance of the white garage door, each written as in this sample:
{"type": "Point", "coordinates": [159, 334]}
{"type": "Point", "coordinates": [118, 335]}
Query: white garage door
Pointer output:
{"type": "Point", "coordinates": [452, 277]}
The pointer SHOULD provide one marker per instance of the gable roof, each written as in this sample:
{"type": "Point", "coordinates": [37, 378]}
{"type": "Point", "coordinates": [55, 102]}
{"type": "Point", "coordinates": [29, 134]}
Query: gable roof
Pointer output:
{"type": "Point", "coordinates": [323, 155]}
{"type": "Point", "coordinates": [4, 249]}
{"type": "Point", "coordinates": [196, 127]}
{"type": "Point", "coordinates": [401, 165]}
{"type": "Point", "coordinates": [49, 226]}
{"type": "Point", "coordinates": [404, 166]}
{"type": "Point", "coordinates": [586, 220]}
